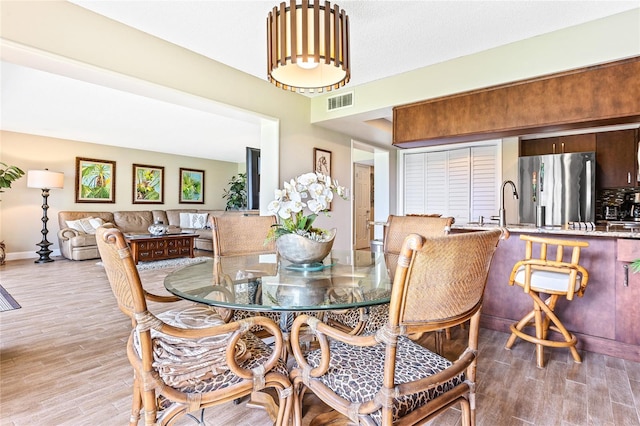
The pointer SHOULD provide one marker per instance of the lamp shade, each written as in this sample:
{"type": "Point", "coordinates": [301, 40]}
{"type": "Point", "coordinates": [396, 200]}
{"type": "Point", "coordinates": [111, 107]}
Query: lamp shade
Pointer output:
{"type": "Point", "coordinates": [45, 179]}
{"type": "Point", "coordinates": [308, 46]}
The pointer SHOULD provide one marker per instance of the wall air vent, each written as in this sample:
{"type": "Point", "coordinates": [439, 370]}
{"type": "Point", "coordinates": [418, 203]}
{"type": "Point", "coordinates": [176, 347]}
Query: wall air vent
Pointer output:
{"type": "Point", "coordinates": [344, 100]}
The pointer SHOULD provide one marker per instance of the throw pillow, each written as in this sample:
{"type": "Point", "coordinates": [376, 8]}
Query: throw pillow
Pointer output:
{"type": "Point", "coordinates": [193, 220]}
{"type": "Point", "coordinates": [198, 220]}
{"type": "Point", "coordinates": [81, 225]}
{"type": "Point", "coordinates": [185, 220]}
{"type": "Point", "coordinates": [95, 224]}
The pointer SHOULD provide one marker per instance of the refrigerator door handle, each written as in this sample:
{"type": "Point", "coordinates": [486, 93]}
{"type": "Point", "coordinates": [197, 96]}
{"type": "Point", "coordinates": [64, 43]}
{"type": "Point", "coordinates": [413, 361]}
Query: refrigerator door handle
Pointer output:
{"type": "Point", "coordinates": [589, 191]}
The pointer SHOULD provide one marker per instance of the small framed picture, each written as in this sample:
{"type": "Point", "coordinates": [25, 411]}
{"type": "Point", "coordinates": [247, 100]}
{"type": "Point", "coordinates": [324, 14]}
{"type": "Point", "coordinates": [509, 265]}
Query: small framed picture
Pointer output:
{"type": "Point", "coordinates": [322, 161]}
{"type": "Point", "coordinates": [95, 181]}
{"type": "Point", "coordinates": [148, 184]}
{"type": "Point", "coordinates": [191, 186]}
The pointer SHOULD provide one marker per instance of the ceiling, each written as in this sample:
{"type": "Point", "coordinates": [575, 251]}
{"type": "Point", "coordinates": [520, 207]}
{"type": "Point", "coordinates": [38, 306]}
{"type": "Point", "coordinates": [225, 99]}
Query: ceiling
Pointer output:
{"type": "Point", "coordinates": [387, 38]}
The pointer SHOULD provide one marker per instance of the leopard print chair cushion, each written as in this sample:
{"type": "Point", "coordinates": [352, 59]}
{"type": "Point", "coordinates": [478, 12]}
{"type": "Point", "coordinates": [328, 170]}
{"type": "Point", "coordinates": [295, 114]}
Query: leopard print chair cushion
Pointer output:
{"type": "Point", "coordinates": [376, 316]}
{"type": "Point", "coordinates": [356, 373]}
{"type": "Point", "coordinates": [258, 352]}
{"type": "Point", "coordinates": [199, 365]}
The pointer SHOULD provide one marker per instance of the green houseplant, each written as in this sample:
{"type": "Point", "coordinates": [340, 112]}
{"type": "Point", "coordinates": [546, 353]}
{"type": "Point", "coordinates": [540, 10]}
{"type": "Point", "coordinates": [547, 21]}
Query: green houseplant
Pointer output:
{"type": "Point", "coordinates": [8, 175]}
{"type": "Point", "coordinates": [236, 194]}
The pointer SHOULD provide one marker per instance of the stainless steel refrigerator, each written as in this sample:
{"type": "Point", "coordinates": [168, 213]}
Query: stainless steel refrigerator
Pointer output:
{"type": "Point", "coordinates": [563, 183]}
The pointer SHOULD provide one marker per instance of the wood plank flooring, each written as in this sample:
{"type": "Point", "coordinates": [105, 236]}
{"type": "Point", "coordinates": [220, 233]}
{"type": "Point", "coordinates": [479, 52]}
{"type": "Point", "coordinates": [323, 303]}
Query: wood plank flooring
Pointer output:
{"type": "Point", "coordinates": [63, 362]}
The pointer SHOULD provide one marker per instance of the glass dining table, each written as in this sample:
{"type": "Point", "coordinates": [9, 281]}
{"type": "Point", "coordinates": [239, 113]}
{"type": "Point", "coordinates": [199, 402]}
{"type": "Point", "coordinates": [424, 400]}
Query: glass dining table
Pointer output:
{"type": "Point", "coordinates": [268, 283]}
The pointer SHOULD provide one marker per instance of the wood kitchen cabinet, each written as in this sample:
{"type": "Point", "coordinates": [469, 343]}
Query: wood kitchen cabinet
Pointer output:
{"type": "Point", "coordinates": [627, 293]}
{"type": "Point", "coordinates": [558, 145]}
{"type": "Point", "coordinates": [617, 159]}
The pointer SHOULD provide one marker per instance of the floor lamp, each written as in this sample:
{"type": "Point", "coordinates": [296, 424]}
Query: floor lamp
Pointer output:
{"type": "Point", "coordinates": [45, 180]}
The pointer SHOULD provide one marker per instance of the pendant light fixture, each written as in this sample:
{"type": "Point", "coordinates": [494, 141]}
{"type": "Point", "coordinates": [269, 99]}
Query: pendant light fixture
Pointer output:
{"type": "Point", "coordinates": [308, 46]}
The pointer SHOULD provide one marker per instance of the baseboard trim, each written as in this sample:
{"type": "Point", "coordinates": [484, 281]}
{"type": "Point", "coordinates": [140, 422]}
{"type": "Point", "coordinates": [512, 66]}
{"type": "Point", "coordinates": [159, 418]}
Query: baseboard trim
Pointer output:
{"type": "Point", "coordinates": [28, 255]}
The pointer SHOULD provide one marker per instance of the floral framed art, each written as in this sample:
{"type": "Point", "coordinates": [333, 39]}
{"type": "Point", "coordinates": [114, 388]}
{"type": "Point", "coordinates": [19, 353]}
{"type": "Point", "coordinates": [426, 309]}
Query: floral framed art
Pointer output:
{"type": "Point", "coordinates": [322, 161]}
{"type": "Point", "coordinates": [191, 186]}
{"type": "Point", "coordinates": [95, 181]}
{"type": "Point", "coordinates": [148, 184]}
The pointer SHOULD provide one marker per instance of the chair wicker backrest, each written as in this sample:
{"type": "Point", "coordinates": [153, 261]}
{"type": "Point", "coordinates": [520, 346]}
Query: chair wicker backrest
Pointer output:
{"type": "Point", "coordinates": [398, 227]}
{"type": "Point", "coordinates": [238, 234]}
{"type": "Point", "coordinates": [121, 271]}
{"type": "Point", "coordinates": [445, 279]}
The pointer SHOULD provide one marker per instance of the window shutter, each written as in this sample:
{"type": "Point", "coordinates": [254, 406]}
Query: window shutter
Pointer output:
{"type": "Point", "coordinates": [462, 182]}
{"type": "Point", "coordinates": [484, 182]}
{"type": "Point", "coordinates": [436, 200]}
{"type": "Point", "coordinates": [414, 185]}
{"type": "Point", "coordinates": [459, 184]}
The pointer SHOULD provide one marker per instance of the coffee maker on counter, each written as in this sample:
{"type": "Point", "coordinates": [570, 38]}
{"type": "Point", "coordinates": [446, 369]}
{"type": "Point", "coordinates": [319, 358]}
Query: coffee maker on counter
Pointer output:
{"type": "Point", "coordinates": [631, 207]}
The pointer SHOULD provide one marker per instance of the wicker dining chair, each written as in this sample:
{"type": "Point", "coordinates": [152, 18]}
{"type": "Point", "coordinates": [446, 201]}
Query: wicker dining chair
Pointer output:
{"type": "Point", "coordinates": [189, 359]}
{"type": "Point", "coordinates": [387, 378]}
{"type": "Point", "coordinates": [236, 234]}
{"type": "Point", "coordinates": [369, 320]}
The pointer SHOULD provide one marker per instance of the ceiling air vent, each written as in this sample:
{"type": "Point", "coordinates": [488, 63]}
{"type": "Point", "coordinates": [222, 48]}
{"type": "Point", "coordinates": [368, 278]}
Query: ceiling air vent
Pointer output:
{"type": "Point", "coordinates": [340, 101]}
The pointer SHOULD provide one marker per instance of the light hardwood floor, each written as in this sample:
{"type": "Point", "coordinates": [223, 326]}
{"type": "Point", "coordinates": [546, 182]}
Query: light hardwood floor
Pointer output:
{"type": "Point", "coordinates": [63, 362]}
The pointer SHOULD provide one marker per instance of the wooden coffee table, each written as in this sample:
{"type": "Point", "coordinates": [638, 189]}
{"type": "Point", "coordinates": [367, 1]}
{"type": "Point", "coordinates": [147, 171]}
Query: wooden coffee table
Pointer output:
{"type": "Point", "coordinates": [147, 247]}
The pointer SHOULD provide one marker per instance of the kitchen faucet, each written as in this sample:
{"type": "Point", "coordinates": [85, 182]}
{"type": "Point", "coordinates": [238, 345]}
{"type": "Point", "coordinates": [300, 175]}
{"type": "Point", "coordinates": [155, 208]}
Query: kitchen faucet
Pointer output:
{"type": "Point", "coordinates": [502, 214]}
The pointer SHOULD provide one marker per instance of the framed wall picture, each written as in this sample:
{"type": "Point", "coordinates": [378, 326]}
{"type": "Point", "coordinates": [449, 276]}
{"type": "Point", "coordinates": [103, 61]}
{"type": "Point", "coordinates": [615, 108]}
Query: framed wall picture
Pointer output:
{"type": "Point", "coordinates": [95, 181]}
{"type": "Point", "coordinates": [322, 161]}
{"type": "Point", "coordinates": [191, 186]}
{"type": "Point", "coordinates": [148, 184]}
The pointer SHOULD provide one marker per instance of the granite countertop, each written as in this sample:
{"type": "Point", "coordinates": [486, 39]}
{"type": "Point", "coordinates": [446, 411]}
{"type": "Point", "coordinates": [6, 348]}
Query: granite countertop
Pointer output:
{"type": "Point", "coordinates": [590, 230]}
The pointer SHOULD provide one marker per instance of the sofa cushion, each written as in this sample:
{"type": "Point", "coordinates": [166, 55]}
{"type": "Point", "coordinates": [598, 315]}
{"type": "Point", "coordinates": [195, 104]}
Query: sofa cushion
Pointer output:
{"type": "Point", "coordinates": [133, 221]}
{"type": "Point", "coordinates": [83, 240]}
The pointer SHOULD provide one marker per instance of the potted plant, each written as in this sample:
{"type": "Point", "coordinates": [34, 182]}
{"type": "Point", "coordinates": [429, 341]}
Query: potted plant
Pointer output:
{"type": "Point", "coordinates": [236, 195]}
{"type": "Point", "coordinates": [297, 240]}
{"type": "Point", "coordinates": [8, 175]}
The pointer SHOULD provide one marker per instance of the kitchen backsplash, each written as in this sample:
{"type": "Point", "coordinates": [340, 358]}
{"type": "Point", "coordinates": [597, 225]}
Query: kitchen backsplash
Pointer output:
{"type": "Point", "coordinates": [615, 197]}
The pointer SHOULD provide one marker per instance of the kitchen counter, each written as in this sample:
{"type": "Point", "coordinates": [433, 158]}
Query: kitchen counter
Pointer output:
{"type": "Point", "coordinates": [605, 319]}
{"type": "Point", "coordinates": [603, 231]}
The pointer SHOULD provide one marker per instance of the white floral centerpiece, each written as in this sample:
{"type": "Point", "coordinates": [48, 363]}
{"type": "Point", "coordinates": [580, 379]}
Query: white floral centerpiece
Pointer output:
{"type": "Point", "coordinates": [311, 191]}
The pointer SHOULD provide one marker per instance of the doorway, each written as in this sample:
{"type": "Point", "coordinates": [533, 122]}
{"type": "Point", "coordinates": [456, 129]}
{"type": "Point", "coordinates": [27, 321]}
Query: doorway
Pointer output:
{"type": "Point", "coordinates": [371, 198]}
{"type": "Point", "coordinates": [363, 204]}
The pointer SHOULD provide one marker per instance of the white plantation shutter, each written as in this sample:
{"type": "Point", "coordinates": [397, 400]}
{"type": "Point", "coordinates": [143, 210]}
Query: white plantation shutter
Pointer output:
{"type": "Point", "coordinates": [484, 182]}
{"type": "Point", "coordinates": [414, 187]}
{"type": "Point", "coordinates": [436, 200]}
{"type": "Point", "coordinates": [459, 184]}
{"type": "Point", "coordinates": [462, 182]}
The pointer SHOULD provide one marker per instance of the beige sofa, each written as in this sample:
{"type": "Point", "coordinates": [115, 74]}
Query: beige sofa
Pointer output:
{"type": "Point", "coordinates": [77, 240]}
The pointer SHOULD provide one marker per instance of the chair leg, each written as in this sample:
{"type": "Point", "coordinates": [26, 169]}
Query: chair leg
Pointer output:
{"type": "Point", "coordinates": [540, 334]}
{"type": "Point", "coordinates": [519, 326]}
{"type": "Point", "coordinates": [570, 339]}
{"type": "Point", "coordinates": [467, 417]}
{"type": "Point", "coordinates": [543, 318]}
{"type": "Point", "coordinates": [136, 404]}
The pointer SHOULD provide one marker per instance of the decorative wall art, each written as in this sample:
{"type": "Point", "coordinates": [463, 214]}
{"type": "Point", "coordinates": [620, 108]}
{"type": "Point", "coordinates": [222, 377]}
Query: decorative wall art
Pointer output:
{"type": "Point", "coordinates": [148, 184]}
{"type": "Point", "coordinates": [322, 161]}
{"type": "Point", "coordinates": [191, 186]}
{"type": "Point", "coordinates": [95, 181]}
